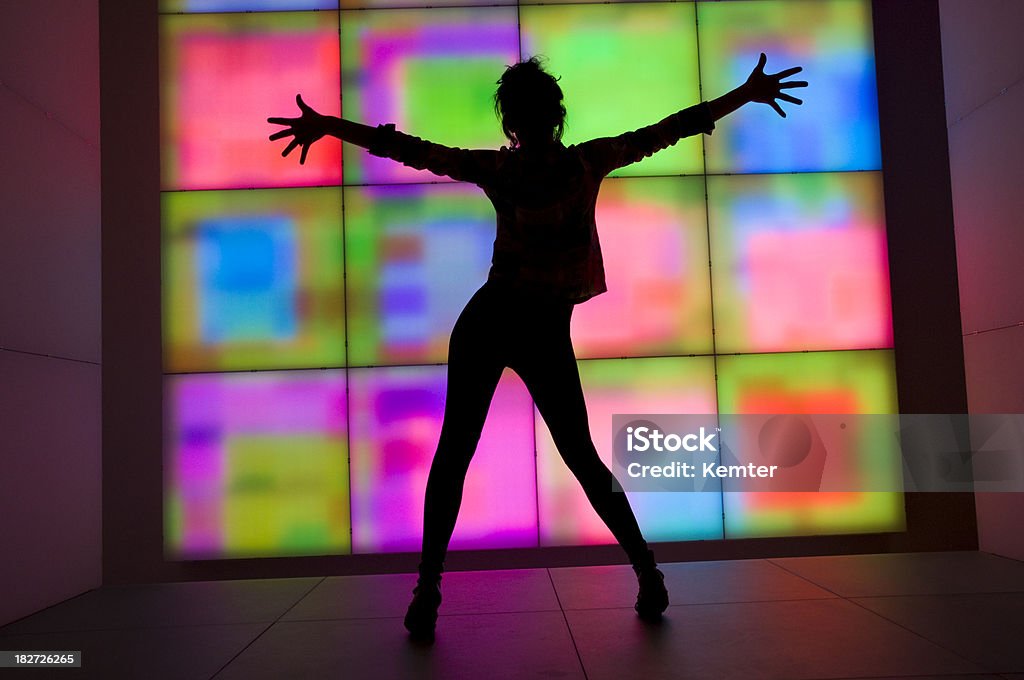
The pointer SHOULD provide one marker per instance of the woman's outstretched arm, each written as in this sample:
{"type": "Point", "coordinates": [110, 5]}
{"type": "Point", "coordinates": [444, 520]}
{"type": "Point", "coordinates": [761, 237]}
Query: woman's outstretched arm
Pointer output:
{"type": "Point", "coordinates": [464, 165]}
{"type": "Point", "coordinates": [312, 126]}
{"type": "Point", "coordinates": [759, 87]}
{"type": "Point", "coordinates": [609, 153]}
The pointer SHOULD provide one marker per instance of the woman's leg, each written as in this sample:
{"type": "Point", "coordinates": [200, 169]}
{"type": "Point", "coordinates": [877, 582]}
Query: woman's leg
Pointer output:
{"type": "Point", "coordinates": [547, 365]}
{"type": "Point", "coordinates": [473, 373]}
{"type": "Point", "coordinates": [549, 369]}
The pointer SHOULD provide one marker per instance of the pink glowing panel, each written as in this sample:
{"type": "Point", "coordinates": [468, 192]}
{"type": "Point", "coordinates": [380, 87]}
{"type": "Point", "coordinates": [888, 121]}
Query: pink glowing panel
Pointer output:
{"type": "Point", "coordinates": [816, 382]}
{"type": "Point", "coordinates": [395, 422]}
{"type": "Point", "coordinates": [667, 385]}
{"type": "Point", "coordinates": [223, 75]}
{"type": "Point", "coordinates": [255, 465]}
{"type": "Point", "coordinates": [431, 72]}
{"type": "Point", "coordinates": [800, 262]}
{"type": "Point", "coordinates": [654, 240]}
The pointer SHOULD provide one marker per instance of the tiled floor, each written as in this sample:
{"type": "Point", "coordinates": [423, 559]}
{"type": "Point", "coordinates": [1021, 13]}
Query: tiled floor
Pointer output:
{"type": "Point", "coordinates": [923, 615]}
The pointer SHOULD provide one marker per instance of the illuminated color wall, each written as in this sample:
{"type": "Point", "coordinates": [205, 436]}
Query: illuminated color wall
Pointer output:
{"type": "Point", "coordinates": [307, 308]}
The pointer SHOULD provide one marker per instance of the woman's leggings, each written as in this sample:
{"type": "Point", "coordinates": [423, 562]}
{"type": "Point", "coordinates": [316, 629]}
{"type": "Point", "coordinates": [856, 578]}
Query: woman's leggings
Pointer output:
{"type": "Point", "coordinates": [502, 327]}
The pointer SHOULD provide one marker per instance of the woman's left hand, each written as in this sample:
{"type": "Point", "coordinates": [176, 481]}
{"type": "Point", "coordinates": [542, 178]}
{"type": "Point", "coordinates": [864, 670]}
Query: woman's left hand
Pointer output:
{"type": "Point", "coordinates": [767, 87]}
{"type": "Point", "coordinates": [305, 130]}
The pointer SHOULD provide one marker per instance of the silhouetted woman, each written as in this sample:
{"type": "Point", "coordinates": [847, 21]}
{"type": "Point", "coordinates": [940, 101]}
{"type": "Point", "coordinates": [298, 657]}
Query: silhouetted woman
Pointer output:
{"type": "Point", "coordinates": [546, 260]}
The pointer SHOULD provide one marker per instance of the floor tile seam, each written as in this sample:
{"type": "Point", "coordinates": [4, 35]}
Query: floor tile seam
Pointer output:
{"type": "Point", "coordinates": [375, 617]}
{"type": "Point", "coordinates": [926, 676]}
{"type": "Point", "coordinates": [943, 593]}
{"type": "Point", "coordinates": [864, 595]}
{"type": "Point", "coordinates": [268, 627]}
{"type": "Point", "coordinates": [134, 628]}
{"type": "Point", "coordinates": [48, 607]}
{"type": "Point", "coordinates": [803, 578]}
{"type": "Point", "coordinates": [722, 602]}
{"type": "Point", "coordinates": [1004, 558]}
{"type": "Point", "coordinates": [985, 668]}
{"type": "Point", "coordinates": [838, 594]}
{"type": "Point", "coordinates": [568, 628]}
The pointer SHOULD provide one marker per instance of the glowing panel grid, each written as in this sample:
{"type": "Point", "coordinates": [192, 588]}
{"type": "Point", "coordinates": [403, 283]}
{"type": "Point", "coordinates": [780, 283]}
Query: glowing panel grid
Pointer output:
{"type": "Point", "coordinates": [251, 278]}
{"type": "Point", "coordinates": [416, 253]}
{"type": "Point", "coordinates": [256, 465]}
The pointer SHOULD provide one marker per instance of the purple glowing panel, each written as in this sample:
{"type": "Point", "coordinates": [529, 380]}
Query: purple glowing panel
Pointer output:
{"type": "Point", "coordinates": [256, 465]}
{"type": "Point", "coordinates": [395, 422]}
{"type": "Point", "coordinates": [431, 72]}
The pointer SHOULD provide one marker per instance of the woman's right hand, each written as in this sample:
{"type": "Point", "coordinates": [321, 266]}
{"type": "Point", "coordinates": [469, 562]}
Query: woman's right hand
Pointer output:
{"type": "Point", "coordinates": [305, 130]}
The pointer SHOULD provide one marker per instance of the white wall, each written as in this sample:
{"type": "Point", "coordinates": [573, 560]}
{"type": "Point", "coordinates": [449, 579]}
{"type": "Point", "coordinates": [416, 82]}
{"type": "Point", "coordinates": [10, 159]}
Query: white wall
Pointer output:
{"type": "Point", "coordinates": [983, 65]}
{"type": "Point", "coordinates": [50, 462]}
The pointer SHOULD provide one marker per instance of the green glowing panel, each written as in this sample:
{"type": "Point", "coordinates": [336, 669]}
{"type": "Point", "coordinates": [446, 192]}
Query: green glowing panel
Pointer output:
{"type": "Point", "coordinates": [813, 382]}
{"type": "Point", "coordinates": [622, 66]}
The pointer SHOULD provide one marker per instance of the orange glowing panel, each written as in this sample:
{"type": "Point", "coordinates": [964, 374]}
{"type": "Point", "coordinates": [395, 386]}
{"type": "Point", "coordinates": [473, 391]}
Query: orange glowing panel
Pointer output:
{"type": "Point", "coordinates": [816, 382]}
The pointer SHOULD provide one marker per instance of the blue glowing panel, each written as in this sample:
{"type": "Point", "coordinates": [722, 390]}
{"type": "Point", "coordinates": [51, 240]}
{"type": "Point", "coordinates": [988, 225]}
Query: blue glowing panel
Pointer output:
{"type": "Point", "coordinates": [837, 126]}
{"type": "Point", "coordinates": [247, 274]}
{"type": "Point", "coordinates": [253, 279]}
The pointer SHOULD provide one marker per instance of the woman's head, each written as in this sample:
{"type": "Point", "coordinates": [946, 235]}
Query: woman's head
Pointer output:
{"type": "Point", "coordinates": [528, 102]}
